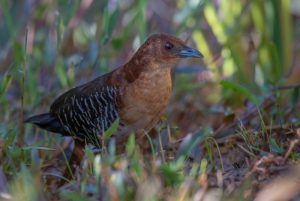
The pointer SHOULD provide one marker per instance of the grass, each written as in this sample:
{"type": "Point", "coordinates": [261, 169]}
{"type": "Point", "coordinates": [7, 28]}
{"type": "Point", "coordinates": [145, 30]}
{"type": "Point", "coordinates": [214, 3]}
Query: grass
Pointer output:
{"type": "Point", "coordinates": [232, 123]}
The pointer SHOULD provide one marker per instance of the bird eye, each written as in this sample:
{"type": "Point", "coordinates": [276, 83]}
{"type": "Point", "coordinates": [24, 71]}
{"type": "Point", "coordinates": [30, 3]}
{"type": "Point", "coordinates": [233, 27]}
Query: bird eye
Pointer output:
{"type": "Point", "coordinates": [169, 46]}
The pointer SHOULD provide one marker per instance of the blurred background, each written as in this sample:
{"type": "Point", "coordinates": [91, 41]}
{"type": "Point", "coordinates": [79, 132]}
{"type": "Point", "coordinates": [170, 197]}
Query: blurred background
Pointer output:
{"type": "Point", "coordinates": [49, 46]}
{"type": "Point", "coordinates": [251, 56]}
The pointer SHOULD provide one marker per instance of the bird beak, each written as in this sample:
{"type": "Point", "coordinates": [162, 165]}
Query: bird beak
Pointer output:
{"type": "Point", "coordinates": [187, 51]}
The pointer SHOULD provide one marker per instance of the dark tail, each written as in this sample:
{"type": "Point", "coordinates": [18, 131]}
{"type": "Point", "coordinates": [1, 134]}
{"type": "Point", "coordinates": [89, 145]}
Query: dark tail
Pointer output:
{"type": "Point", "coordinates": [48, 122]}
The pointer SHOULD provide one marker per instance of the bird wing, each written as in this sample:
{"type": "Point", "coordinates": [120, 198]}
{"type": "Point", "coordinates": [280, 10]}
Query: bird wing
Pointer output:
{"type": "Point", "coordinates": [88, 110]}
{"type": "Point", "coordinates": [84, 90]}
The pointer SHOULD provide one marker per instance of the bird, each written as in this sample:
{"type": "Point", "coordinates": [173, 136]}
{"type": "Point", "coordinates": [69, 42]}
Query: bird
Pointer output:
{"type": "Point", "coordinates": [135, 94]}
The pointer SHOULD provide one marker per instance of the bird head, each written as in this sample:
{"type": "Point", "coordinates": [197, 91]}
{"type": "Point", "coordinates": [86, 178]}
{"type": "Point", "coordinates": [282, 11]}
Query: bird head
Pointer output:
{"type": "Point", "coordinates": [166, 48]}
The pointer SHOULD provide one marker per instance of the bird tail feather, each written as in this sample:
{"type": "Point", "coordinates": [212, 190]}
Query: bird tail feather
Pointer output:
{"type": "Point", "coordinates": [46, 121]}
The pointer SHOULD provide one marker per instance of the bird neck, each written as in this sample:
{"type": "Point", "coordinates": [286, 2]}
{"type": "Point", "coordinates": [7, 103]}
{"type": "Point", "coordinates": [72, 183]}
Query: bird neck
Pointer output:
{"type": "Point", "coordinates": [145, 65]}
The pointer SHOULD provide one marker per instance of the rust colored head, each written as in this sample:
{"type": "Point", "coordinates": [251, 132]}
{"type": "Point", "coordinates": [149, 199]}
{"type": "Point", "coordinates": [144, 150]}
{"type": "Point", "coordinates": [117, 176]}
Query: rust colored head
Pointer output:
{"type": "Point", "coordinates": [159, 52]}
{"type": "Point", "coordinates": [166, 48]}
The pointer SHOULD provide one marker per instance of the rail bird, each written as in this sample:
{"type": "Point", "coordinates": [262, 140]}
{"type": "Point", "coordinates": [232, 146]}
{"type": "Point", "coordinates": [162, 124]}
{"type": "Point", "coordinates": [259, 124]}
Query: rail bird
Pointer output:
{"type": "Point", "coordinates": [136, 94]}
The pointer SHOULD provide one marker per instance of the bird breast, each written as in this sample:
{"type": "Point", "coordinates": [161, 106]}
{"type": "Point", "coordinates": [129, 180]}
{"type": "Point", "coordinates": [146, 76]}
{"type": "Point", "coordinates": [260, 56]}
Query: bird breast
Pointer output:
{"type": "Point", "coordinates": [146, 99]}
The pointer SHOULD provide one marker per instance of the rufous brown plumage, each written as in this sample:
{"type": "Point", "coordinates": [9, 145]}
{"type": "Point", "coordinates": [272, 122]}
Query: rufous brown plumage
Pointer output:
{"type": "Point", "coordinates": [136, 94]}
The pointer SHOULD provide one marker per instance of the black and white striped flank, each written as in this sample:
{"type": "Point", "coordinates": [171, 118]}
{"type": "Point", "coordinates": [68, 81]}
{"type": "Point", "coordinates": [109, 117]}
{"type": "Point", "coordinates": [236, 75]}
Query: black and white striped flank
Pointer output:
{"type": "Point", "coordinates": [88, 116]}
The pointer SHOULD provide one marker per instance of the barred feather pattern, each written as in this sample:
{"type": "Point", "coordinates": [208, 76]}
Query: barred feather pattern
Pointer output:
{"type": "Point", "coordinates": [88, 116]}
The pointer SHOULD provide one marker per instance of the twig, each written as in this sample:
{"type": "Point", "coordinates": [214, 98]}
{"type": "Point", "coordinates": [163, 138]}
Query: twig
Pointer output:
{"type": "Point", "coordinates": [291, 147]}
{"type": "Point", "coordinates": [286, 87]}
{"type": "Point", "coordinates": [245, 150]}
{"type": "Point", "coordinates": [245, 118]}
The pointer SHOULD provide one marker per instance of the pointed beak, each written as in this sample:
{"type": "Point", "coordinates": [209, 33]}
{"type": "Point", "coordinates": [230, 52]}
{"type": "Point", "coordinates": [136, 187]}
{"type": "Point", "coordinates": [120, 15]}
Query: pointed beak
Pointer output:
{"type": "Point", "coordinates": [187, 51]}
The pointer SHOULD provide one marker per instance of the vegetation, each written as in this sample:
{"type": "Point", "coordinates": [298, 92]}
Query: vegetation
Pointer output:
{"type": "Point", "coordinates": [232, 125]}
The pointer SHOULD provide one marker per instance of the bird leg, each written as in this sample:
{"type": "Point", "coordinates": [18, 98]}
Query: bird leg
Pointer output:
{"type": "Point", "coordinates": [74, 161]}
